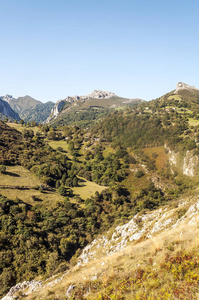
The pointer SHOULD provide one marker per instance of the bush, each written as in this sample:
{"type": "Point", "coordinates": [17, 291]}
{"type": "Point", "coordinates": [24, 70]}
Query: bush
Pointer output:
{"type": "Point", "coordinates": [2, 169]}
{"type": "Point", "coordinates": [63, 191]}
{"type": "Point", "coordinates": [139, 174]}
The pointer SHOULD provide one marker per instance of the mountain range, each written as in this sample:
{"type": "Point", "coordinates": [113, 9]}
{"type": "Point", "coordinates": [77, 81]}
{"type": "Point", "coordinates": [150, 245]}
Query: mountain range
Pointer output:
{"type": "Point", "coordinates": [102, 201]}
{"type": "Point", "coordinates": [30, 109]}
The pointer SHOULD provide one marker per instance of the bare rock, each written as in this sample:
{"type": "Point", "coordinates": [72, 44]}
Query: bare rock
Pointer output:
{"type": "Point", "coordinates": [70, 291]}
{"type": "Point", "coordinates": [183, 86]}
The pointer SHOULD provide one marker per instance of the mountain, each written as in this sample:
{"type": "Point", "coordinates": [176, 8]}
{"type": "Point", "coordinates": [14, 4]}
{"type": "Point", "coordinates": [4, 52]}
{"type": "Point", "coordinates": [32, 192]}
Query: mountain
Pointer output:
{"type": "Point", "coordinates": [109, 212]}
{"type": "Point", "coordinates": [83, 110]}
{"type": "Point", "coordinates": [23, 103]}
{"type": "Point", "coordinates": [28, 108]}
{"type": "Point", "coordinates": [39, 113]}
{"type": "Point", "coordinates": [7, 112]}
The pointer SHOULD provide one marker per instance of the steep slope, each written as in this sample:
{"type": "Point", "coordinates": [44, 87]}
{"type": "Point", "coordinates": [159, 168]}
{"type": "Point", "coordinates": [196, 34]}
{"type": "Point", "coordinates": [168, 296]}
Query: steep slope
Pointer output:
{"type": "Point", "coordinates": [84, 110]}
{"type": "Point", "coordinates": [10, 140]}
{"type": "Point", "coordinates": [39, 113]}
{"type": "Point", "coordinates": [154, 255]}
{"type": "Point", "coordinates": [23, 103]}
{"type": "Point", "coordinates": [153, 123]}
{"type": "Point", "coordinates": [7, 111]}
{"type": "Point", "coordinates": [128, 152]}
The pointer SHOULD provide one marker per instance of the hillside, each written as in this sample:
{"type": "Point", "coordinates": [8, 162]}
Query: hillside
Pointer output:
{"type": "Point", "coordinates": [85, 110]}
{"type": "Point", "coordinates": [154, 256]}
{"type": "Point", "coordinates": [121, 196]}
{"type": "Point", "coordinates": [38, 113]}
{"type": "Point", "coordinates": [7, 112]}
{"type": "Point", "coordinates": [21, 104]}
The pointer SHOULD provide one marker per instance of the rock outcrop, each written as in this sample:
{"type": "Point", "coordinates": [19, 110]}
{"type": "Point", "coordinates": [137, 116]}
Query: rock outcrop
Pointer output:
{"type": "Point", "coordinates": [7, 111]}
{"type": "Point", "coordinates": [56, 110]}
{"type": "Point", "coordinates": [183, 86]}
{"type": "Point", "coordinates": [96, 94]}
{"type": "Point", "coordinates": [187, 164]}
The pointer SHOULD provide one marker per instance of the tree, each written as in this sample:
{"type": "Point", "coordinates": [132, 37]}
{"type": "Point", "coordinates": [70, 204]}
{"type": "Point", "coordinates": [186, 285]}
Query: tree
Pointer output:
{"type": "Point", "coordinates": [2, 169]}
{"type": "Point", "coordinates": [63, 190]}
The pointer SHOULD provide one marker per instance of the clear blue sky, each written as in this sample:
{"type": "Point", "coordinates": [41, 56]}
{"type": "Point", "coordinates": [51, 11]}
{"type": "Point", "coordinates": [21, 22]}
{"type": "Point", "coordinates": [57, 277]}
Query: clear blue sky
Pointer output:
{"type": "Point", "coordinates": [54, 48]}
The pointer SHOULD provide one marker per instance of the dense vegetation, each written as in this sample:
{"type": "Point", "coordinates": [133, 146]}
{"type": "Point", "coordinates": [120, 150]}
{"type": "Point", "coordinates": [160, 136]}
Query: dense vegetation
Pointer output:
{"type": "Point", "coordinates": [39, 240]}
{"type": "Point", "coordinates": [39, 113]}
{"type": "Point", "coordinates": [83, 118]}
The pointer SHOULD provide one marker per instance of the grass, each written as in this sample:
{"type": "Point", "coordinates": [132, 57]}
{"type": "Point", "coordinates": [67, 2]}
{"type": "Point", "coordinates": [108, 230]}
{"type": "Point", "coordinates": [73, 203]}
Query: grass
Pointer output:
{"type": "Point", "coordinates": [108, 150]}
{"type": "Point", "coordinates": [175, 97]}
{"type": "Point", "coordinates": [165, 266]}
{"type": "Point", "coordinates": [86, 188]}
{"type": "Point", "coordinates": [134, 184]}
{"type": "Point", "coordinates": [21, 128]}
{"type": "Point", "coordinates": [19, 176]}
{"type": "Point", "coordinates": [193, 122]}
{"type": "Point", "coordinates": [161, 158]}
{"type": "Point", "coordinates": [62, 144]}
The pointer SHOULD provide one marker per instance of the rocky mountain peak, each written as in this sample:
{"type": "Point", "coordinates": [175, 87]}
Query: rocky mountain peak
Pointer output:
{"type": "Point", "coordinates": [183, 86]}
{"type": "Point", "coordinates": [7, 98]}
{"type": "Point", "coordinates": [97, 94]}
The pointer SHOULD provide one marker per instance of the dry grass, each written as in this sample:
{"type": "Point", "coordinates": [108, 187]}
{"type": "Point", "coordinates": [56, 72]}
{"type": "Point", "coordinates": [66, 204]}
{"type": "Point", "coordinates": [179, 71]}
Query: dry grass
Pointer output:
{"type": "Point", "coordinates": [193, 122]}
{"type": "Point", "coordinates": [19, 176]}
{"type": "Point", "coordinates": [86, 188]}
{"type": "Point", "coordinates": [147, 259]}
{"type": "Point", "coordinates": [161, 159]}
{"type": "Point", "coordinates": [21, 128]}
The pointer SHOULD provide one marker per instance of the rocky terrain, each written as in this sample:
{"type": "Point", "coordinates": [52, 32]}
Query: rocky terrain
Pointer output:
{"type": "Point", "coordinates": [183, 86]}
{"type": "Point", "coordinates": [151, 226]}
{"type": "Point", "coordinates": [7, 111]}
{"type": "Point", "coordinates": [96, 99]}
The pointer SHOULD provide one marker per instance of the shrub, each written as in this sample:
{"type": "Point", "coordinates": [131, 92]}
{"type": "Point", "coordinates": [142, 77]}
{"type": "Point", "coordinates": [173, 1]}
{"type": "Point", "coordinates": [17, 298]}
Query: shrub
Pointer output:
{"type": "Point", "coordinates": [139, 174]}
{"type": "Point", "coordinates": [2, 169]}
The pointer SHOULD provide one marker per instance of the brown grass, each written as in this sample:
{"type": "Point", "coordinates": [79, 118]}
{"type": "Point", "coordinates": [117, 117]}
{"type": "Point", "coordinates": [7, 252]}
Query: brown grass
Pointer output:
{"type": "Point", "coordinates": [19, 176]}
{"type": "Point", "coordinates": [161, 159]}
{"type": "Point", "coordinates": [145, 258]}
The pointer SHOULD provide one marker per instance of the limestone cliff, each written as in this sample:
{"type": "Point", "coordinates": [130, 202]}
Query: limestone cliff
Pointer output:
{"type": "Point", "coordinates": [7, 111]}
{"type": "Point", "coordinates": [187, 164]}
{"type": "Point", "coordinates": [96, 94]}
{"type": "Point", "coordinates": [183, 86]}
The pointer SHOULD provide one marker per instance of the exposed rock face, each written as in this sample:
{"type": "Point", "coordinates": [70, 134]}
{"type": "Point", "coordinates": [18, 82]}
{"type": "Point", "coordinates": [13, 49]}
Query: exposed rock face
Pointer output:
{"type": "Point", "coordinates": [7, 98]}
{"type": "Point", "coordinates": [183, 86]}
{"type": "Point", "coordinates": [6, 110]}
{"type": "Point", "coordinates": [96, 94]}
{"type": "Point", "coordinates": [56, 109]}
{"type": "Point", "coordinates": [30, 285]}
{"type": "Point", "coordinates": [188, 165]}
{"type": "Point", "coordinates": [140, 226]}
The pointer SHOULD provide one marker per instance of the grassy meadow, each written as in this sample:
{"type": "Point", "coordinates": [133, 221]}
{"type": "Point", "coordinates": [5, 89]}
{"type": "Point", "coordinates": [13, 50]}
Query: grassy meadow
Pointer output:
{"type": "Point", "coordinates": [18, 176]}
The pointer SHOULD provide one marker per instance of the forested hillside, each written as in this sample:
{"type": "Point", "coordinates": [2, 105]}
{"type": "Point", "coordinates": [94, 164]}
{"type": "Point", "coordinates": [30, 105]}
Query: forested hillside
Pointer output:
{"type": "Point", "coordinates": [62, 186]}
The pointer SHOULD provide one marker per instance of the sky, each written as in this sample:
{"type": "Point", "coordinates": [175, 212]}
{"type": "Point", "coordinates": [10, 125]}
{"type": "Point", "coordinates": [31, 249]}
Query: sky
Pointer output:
{"type": "Point", "coordinates": [51, 49]}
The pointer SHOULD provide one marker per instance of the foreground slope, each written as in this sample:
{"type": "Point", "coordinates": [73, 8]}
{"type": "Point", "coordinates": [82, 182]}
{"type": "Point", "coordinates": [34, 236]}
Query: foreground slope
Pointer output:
{"type": "Point", "coordinates": [154, 256]}
{"type": "Point", "coordinates": [141, 154]}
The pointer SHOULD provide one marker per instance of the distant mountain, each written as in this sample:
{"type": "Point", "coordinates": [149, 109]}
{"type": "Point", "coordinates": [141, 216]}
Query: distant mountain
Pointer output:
{"type": "Point", "coordinates": [23, 103]}
{"type": "Point", "coordinates": [83, 110]}
{"type": "Point", "coordinates": [28, 108]}
{"type": "Point", "coordinates": [170, 119]}
{"type": "Point", "coordinates": [7, 112]}
{"type": "Point", "coordinates": [39, 113]}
